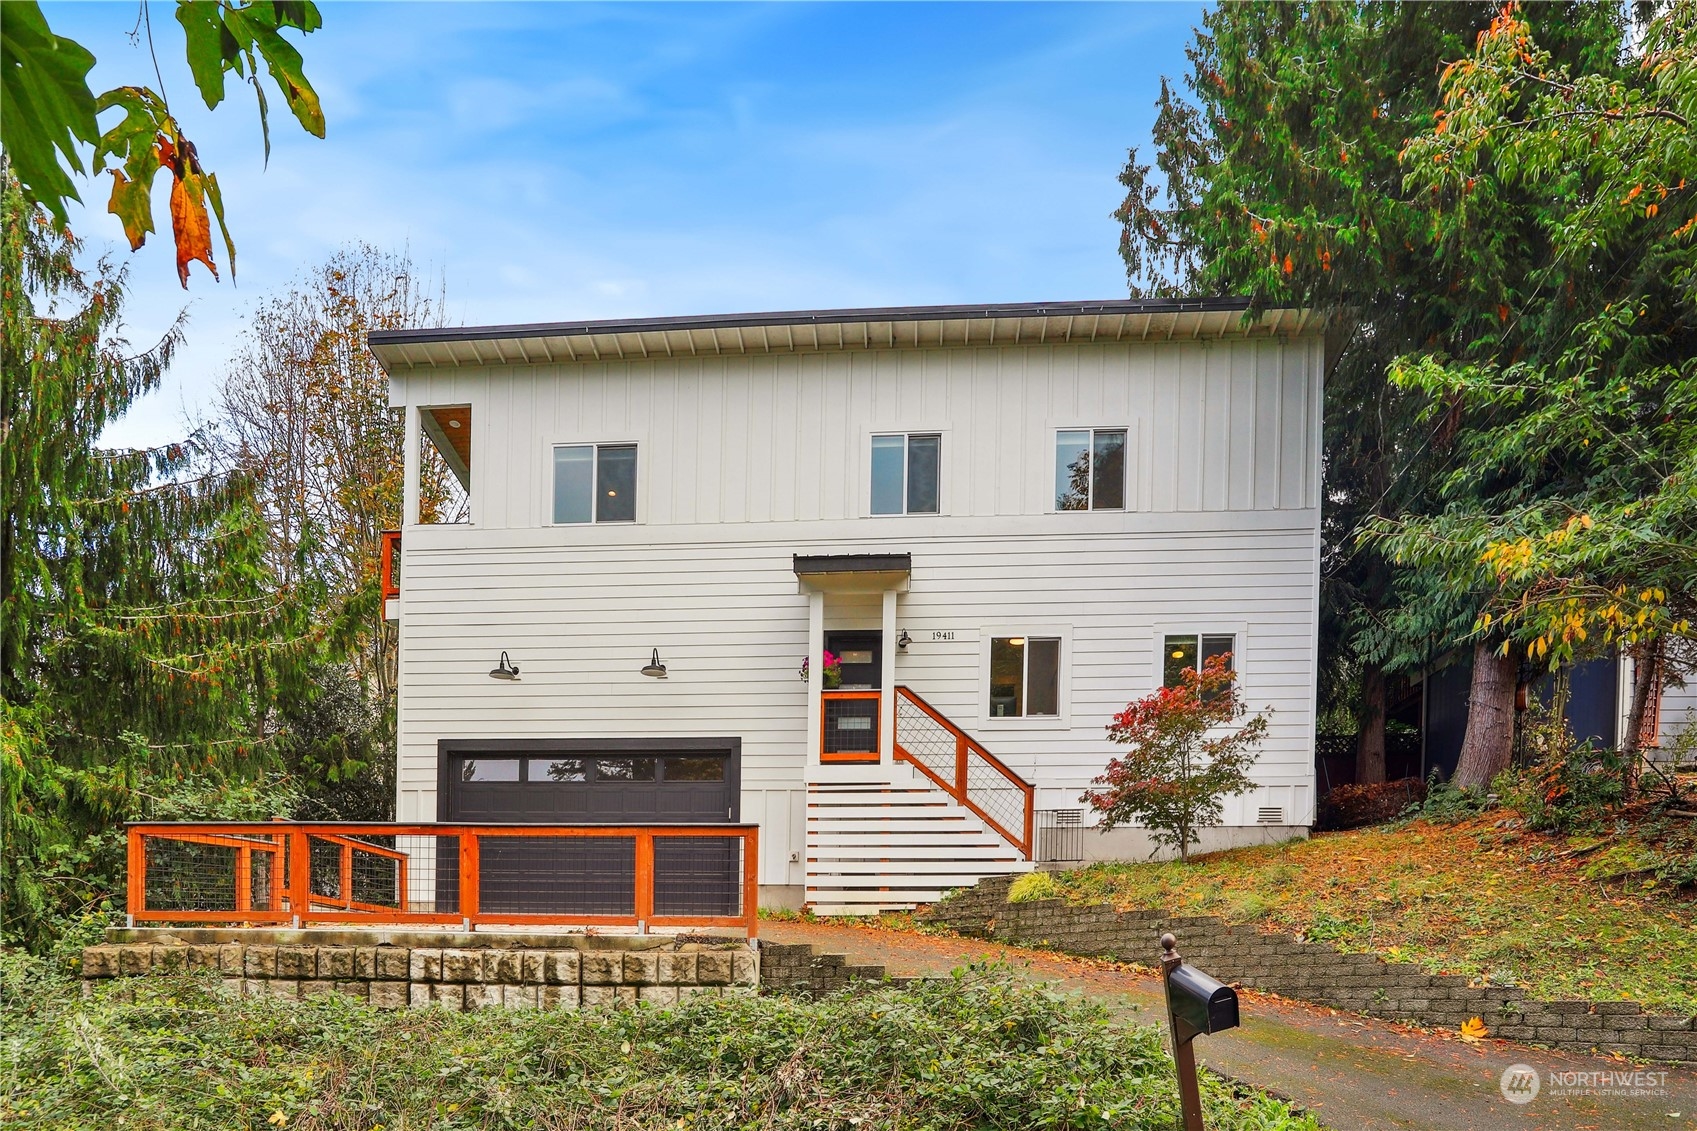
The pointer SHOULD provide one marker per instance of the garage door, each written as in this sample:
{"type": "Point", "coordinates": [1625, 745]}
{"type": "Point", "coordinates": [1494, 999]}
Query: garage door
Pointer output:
{"type": "Point", "coordinates": [671, 781]}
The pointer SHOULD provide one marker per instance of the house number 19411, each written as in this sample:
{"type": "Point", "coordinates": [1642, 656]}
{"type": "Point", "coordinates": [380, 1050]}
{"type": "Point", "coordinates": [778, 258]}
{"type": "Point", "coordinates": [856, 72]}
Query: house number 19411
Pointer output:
{"type": "Point", "coordinates": [943, 635]}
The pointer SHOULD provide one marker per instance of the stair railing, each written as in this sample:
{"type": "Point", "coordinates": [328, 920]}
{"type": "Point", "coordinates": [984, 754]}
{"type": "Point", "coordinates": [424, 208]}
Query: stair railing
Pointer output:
{"type": "Point", "coordinates": [963, 769]}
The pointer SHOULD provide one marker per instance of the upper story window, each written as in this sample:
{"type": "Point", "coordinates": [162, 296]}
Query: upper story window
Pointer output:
{"type": "Point", "coordinates": [1193, 651]}
{"type": "Point", "coordinates": [1025, 676]}
{"type": "Point", "coordinates": [595, 483]}
{"type": "Point", "coordinates": [1090, 469]}
{"type": "Point", "coordinates": [905, 470]}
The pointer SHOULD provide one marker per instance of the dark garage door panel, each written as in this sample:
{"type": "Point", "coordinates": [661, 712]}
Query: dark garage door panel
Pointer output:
{"type": "Point", "coordinates": [596, 875]}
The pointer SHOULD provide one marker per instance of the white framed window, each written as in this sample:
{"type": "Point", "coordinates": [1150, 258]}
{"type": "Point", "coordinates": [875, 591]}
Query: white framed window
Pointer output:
{"type": "Point", "coordinates": [1181, 650]}
{"type": "Point", "coordinates": [594, 483]}
{"type": "Point", "coordinates": [1090, 469]}
{"type": "Point", "coordinates": [907, 472]}
{"type": "Point", "coordinates": [1025, 677]}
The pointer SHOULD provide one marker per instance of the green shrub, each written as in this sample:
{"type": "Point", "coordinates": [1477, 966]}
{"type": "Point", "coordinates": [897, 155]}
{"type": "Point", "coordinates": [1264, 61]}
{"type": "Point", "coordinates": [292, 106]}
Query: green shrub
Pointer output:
{"type": "Point", "coordinates": [977, 1050]}
{"type": "Point", "coordinates": [1033, 886]}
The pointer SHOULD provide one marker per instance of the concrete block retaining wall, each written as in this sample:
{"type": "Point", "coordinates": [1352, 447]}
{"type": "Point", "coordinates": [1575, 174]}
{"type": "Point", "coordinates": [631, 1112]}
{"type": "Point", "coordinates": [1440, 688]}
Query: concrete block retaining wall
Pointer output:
{"type": "Point", "coordinates": [1315, 972]}
{"type": "Point", "coordinates": [395, 970]}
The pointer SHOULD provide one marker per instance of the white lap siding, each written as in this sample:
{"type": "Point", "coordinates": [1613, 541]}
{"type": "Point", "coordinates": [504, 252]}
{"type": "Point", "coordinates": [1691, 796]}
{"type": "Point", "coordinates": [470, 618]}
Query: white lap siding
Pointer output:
{"type": "Point", "coordinates": [731, 626]}
{"type": "Point", "coordinates": [746, 460]}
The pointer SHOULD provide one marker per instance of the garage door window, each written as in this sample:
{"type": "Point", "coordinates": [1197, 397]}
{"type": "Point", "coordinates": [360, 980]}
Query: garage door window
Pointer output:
{"type": "Point", "coordinates": [558, 769]}
{"type": "Point", "coordinates": [489, 769]}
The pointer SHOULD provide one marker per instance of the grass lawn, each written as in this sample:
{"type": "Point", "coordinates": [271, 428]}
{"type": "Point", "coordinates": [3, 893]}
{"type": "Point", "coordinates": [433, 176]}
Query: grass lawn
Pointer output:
{"type": "Point", "coordinates": [1606, 916]}
{"type": "Point", "coordinates": [978, 1051]}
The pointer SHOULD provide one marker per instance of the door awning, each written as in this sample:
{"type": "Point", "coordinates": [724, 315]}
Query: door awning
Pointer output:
{"type": "Point", "coordinates": [854, 573]}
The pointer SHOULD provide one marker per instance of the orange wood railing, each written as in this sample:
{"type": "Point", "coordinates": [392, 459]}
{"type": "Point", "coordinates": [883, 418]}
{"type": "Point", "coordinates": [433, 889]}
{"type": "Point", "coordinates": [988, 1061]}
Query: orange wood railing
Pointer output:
{"type": "Point", "coordinates": [435, 874]}
{"type": "Point", "coordinates": [826, 754]}
{"type": "Point", "coordinates": [389, 543]}
{"type": "Point", "coordinates": [1007, 805]}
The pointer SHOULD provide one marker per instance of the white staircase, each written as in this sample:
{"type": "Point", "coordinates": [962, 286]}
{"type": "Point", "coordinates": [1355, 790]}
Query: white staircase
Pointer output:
{"type": "Point", "coordinates": [883, 837]}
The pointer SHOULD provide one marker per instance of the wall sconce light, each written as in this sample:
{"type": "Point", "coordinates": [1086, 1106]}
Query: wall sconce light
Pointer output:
{"type": "Point", "coordinates": [903, 641]}
{"type": "Point", "coordinates": [504, 670]}
{"type": "Point", "coordinates": [654, 667]}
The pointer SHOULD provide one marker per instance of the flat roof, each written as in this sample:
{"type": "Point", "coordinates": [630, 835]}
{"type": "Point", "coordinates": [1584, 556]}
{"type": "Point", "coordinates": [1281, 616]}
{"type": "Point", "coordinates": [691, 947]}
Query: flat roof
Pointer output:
{"type": "Point", "coordinates": [788, 331]}
{"type": "Point", "coordinates": [852, 563]}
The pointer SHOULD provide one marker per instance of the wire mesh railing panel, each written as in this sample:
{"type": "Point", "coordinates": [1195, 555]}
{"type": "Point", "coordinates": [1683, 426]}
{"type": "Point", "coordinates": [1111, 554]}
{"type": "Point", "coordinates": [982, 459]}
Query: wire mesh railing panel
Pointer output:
{"type": "Point", "coordinates": [210, 873]}
{"type": "Point", "coordinates": [997, 797]}
{"type": "Point", "coordinates": [851, 723]}
{"type": "Point", "coordinates": [542, 875]}
{"type": "Point", "coordinates": [927, 741]}
{"type": "Point", "coordinates": [698, 876]}
{"type": "Point", "coordinates": [282, 872]}
{"type": "Point", "coordinates": [377, 876]}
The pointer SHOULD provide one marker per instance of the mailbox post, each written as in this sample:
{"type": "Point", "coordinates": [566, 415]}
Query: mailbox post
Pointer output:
{"type": "Point", "coordinates": [1196, 1004]}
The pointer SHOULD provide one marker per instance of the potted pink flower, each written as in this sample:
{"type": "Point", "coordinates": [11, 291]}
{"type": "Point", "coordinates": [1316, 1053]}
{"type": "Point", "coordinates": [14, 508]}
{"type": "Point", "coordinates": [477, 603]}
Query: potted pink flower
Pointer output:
{"type": "Point", "coordinates": [831, 665]}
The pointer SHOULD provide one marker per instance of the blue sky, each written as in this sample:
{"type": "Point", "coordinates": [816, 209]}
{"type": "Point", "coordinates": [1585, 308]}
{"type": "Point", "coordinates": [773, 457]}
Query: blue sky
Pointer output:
{"type": "Point", "coordinates": [565, 161]}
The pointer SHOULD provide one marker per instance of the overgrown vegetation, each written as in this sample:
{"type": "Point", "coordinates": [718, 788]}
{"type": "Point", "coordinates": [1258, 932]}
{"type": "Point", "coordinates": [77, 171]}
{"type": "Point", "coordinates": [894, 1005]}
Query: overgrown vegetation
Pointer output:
{"type": "Point", "coordinates": [980, 1050]}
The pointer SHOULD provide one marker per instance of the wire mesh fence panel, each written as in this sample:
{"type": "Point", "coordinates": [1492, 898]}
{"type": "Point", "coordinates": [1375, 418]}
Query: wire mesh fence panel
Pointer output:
{"type": "Point", "coordinates": [207, 873]}
{"type": "Point", "coordinates": [851, 723]}
{"type": "Point", "coordinates": [433, 865]}
{"type": "Point", "coordinates": [377, 875]}
{"type": "Point", "coordinates": [926, 741]}
{"type": "Point", "coordinates": [698, 875]}
{"type": "Point", "coordinates": [187, 875]}
{"type": "Point", "coordinates": [283, 872]}
{"type": "Point", "coordinates": [1000, 799]}
{"type": "Point", "coordinates": [543, 875]}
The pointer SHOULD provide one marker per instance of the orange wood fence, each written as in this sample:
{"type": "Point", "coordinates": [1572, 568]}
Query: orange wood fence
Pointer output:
{"type": "Point", "coordinates": [299, 873]}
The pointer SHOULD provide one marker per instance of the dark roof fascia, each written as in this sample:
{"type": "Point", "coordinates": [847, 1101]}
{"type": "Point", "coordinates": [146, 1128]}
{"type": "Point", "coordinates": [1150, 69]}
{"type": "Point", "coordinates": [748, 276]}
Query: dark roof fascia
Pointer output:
{"type": "Point", "coordinates": [853, 563]}
{"type": "Point", "coordinates": [807, 317]}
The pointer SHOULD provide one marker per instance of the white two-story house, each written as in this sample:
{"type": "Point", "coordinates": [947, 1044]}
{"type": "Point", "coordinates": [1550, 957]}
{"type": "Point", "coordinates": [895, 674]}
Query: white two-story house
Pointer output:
{"type": "Point", "coordinates": [1004, 521]}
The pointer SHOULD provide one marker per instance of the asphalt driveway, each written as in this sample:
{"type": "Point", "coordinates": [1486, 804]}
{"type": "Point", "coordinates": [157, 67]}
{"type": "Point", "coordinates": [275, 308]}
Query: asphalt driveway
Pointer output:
{"type": "Point", "coordinates": [1353, 1073]}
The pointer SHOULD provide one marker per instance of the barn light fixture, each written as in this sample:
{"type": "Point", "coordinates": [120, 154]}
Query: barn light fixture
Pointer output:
{"type": "Point", "coordinates": [506, 669]}
{"type": "Point", "coordinates": [903, 640]}
{"type": "Point", "coordinates": [654, 667]}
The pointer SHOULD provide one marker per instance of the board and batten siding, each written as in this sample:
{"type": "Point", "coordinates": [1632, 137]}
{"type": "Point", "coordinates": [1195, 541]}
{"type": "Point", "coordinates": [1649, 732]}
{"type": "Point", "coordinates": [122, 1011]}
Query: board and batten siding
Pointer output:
{"type": "Point", "coordinates": [1214, 426]}
{"type": "Point", "coordinates": [746, 460]}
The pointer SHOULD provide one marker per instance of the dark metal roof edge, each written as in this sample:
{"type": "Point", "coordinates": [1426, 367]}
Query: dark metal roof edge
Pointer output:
{"type": "Point", "coordinates": [852, 563]}
{"type": "Point", "coordinates": [807, 317]}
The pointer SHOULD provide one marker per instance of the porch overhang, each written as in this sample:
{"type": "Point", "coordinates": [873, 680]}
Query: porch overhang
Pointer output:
{"type": "Point", "coordinates": [854, 573]}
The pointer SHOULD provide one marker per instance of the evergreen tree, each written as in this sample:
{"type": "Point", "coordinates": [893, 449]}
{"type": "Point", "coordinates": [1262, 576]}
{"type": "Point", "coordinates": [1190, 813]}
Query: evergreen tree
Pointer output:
{"type": "Point", "coordinates": [142, 637]}
{"type": "Point", "coordinates": [1281, 179]}
{"type": "Point", "coordinates": [1574, 504]}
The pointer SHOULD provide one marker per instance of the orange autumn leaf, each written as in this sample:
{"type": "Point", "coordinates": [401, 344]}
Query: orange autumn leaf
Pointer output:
{"type": "Point", "coordinates": [191, 227]}
{"type": "Point", "coordinates": [1289, 266]}
{"type": "Point", "coordinates": [1473, 1029]}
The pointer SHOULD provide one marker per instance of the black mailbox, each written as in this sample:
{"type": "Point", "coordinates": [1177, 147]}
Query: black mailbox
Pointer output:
{"type": "Point", "coordinates": [1196, 1004]}
{"type": "Point", "coordinates": [1199, 1003]}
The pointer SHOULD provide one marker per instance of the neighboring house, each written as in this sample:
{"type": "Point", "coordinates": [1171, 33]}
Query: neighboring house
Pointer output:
{"type": "Point", "coordinates": [1022, 516]}
{"type": "Point", "coordinates": [1598, 708]}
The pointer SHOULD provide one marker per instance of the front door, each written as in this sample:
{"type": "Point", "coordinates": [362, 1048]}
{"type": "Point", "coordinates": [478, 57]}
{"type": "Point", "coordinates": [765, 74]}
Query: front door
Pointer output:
{"type": "Point", "coordinates": [862, 656]}
{"type": "Point", "coordinates": [851, 711]}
